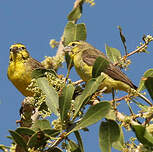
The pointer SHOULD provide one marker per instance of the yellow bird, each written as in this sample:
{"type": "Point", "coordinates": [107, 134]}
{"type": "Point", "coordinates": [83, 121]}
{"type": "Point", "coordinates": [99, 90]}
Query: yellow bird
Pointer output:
{"type": "Point", "coordinates": [84, 55]}
{"type": "Point", "coordinates": [20, 67]}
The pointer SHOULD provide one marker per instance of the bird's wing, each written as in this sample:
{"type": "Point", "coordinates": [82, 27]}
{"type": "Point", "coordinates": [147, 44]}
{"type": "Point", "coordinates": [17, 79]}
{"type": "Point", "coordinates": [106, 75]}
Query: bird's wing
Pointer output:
{"type": "Point", "coordinates": [116, 74]}
{"type": "Point", "coordinates": [34, 64]}
{"type": "Point", "coordinates": [89, 57]}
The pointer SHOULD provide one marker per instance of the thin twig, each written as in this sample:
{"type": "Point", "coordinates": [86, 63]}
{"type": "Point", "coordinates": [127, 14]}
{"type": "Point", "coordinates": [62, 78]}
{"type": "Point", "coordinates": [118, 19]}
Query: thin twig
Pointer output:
{"type": "Point", "coordinates": [133, 52]}
{"type": "Point", "coordinates": [148, 120]}
{"type": "Point", "coordinates": [68, 71]}
{"type": "Point", "coordinates": [121, 98]}
{"type": "Point", "coordinates": [137, 50]}
{"type": "Point", "coordinates": [60, 48]}
{"type": "Point", "coordinates": [122, 118]}
{"type": "Point", "coordinates": [77, 82]}
{"type": "Point", "coordinates": [76, 3]}
{"type": "Point", "coordinates": [58, 141]}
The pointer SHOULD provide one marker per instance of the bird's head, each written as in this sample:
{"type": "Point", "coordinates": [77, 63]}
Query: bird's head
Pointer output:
{"type": "Point", "coordinates": [18, 52]}
{"type": "Point", "coordinates": [74, 47]}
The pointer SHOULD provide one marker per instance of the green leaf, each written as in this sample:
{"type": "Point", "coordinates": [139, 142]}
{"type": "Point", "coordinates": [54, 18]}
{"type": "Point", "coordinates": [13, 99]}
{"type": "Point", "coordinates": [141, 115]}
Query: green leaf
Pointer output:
{"type": "Point", "coordinates": [93, 115]}
{"type": "Point", "coordinates": [37, 140]}
{"type": "Point", "coordinates": [41, 125]}
{"type": "Point", "coordinates": [76, 13]}
{"type": "Point", "coordinates": [73, 147]}
{"type": "Point", "coordinates": [52, 98]}
{"type": "Point", "coordinates": [123, 39]}
{"type": "Point", "coordinates": [25, 131]}
{"type": "Point", "coordinates": [10, 137]}
{"type": "Point", "coordinates": [81, 32]}
{"type": "Point", "coordinates": [37, 73]}
{"type": "Point", "coordinates": [80, 143]}
{"type": "Point", "coordinates": [119, 144]}
{"type": "Point", "coordinates": [65, 102]}
{"type": "Point", "coordinates": [91, 86]}
{"type": "Point", "coordinates": [148, 73]}
{"type": "Point", "coordinates": [111, 115]}
{"type": "Point", "coordinates": [109, 132]}
{"type": "Point", "coordinates": [99, 66]}
{"type": "Point", "coordinates": [149, 86]}
{"type": "Point", "coordinates": [113, 54]}
{"type": "Point", "coordinates": [143, 135]}
{"type": "Point", "coordinates": [74, 32]}
{"type": "Point", "coordinates": [3, 147]}
{"type": "Point", "coordinates": [19, 140]}
{"type": "Point", "coordinates": [68, 60]}
{"type": "Point", "coordinates": [51, 132]}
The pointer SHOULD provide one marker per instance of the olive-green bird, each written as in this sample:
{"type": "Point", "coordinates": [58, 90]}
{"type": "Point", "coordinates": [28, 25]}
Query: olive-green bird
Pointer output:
{"type": "Point", "coordinates": [84, 55]}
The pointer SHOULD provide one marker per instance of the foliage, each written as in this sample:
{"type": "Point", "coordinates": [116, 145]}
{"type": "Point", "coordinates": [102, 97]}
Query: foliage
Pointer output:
{"type": "Point", "coordinates": [77, 106]}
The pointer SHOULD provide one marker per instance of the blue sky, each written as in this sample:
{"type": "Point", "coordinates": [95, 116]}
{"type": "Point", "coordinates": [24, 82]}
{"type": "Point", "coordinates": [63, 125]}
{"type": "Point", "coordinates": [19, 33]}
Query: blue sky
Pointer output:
{"type": "Point", "coordinates": [35, 22]}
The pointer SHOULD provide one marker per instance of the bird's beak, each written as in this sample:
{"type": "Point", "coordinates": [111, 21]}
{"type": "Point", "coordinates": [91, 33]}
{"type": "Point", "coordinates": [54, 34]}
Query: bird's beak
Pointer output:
{"type": "Point", "coordinates": [14, 50]}
{"type": "Point", "coordinates": [67, 49]}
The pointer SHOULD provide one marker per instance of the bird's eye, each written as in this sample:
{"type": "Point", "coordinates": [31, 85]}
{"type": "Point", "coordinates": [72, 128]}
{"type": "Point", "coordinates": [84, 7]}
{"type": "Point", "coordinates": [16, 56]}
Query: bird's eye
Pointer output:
{"type": "Point", "coordinates": [22, 48]}
{"type": "Point", "coordinates": [73, 44]}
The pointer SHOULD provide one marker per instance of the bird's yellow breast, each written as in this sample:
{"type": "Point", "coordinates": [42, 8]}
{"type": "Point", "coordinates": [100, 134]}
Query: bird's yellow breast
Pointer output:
{"type": "Point", "coordinates": [20, 77]}
{"type": "Point", "coordinates": [83, 70]}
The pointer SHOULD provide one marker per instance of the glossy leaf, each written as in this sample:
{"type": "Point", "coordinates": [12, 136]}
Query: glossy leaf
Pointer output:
{"type": "Point", "coordinates": [51, 132]}
{"type": "Point", "coordinates": [18, 140]}
{"type": "Point", "coordinates": [41, 125]}
{"type": "Point", "coordinates": [93, 115]}
{"type": "Point", "coordinates": [112, 53]}
{"type": "Point", "coordinates": [74, 32]}
{"type": "Point", "coordinates": [37, 140]}
{"type": "Point", "coordinates": [73, 147]}
{"type": "Point", "coordinates": [65, 101]}
{"type": "Point", "coordinates": [149, 86]}
{"type": "Point", "coordinates": [109, 132]}
{"type": "Point", "coordinates": [81, 32]}
{"type": "Point", "coordinates": [3, 148]}
{"type": "Point", "coordinates": [52, 98]}
{"type": "Point", "coordinates": [24, 131]}
{"type": "Point", "coordinates": [37, 73]}
{"type": "Point", "coordinates": [76, 13]}
{"type": "Point", "coordinates": [143, 135]}
{"type": "Point", "coordinates": [45, 127]}
{"type": "Point", "coordinates": [90, 88]}
{"type": "Point", "coordinates": [99, 66]}
{"type": "Point", "coordinates": [111, 115]}
{"type": "Point", "coordinates": [148, 73]}
{"type": "Point", "coordinates": [119, 144]}
{"type": "Point", "coordinates": [79, 139]}
{"type": "Point", "coordinates": [68, 60]}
